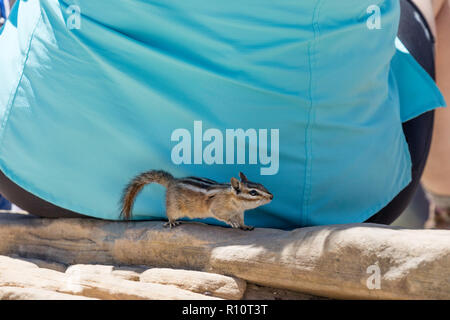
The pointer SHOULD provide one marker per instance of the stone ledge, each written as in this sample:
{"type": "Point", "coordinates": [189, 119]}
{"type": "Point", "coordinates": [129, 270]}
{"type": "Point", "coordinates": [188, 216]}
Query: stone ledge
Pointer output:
{"type": "Point", "coordinates": [328, 261]}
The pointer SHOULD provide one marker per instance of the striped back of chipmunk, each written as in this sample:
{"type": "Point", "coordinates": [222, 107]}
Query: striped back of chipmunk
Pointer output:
{"type": "Point", "coordinates": [202, 185]}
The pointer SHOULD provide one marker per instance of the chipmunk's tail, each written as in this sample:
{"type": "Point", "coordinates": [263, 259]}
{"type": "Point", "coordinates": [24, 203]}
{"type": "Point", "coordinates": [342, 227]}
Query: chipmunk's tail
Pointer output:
{"type": "Point", "coordinates": [135, 186]}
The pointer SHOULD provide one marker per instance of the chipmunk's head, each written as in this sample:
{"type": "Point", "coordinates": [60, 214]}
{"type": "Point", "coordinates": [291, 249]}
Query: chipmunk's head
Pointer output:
{"type": "Point", "coordinates": [251, 194]}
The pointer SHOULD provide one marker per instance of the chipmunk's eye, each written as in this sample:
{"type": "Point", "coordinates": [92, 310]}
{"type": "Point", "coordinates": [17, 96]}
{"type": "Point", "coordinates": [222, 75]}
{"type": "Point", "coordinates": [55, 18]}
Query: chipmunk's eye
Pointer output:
{"type": "Point", "coordinates": [254, 193]}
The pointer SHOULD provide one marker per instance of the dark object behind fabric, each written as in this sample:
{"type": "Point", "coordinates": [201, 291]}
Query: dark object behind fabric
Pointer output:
{"type": "Point", "coordinates": [417, 37]}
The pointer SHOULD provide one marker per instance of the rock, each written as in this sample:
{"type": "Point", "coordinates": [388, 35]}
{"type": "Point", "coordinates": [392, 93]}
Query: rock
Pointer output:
{"type": "Point", "coordinates": [362, 261]}
{"type": "Point", "coordinates": [94, 281]}
{"type": "Point", "coordinates": [256, 292]}
{"type": "Point", "coordinates": [17, 293]}
{"type": "Point", "coordinates": [84, 281]}
{"type": "Point", "coordinates": [201, 282]}
{"type": "Point", "coordinates": [102, 270]}
{"type": "Point", "coordinates": [44, 264]}
{"type": "Point", "coordinates": [127, 275]}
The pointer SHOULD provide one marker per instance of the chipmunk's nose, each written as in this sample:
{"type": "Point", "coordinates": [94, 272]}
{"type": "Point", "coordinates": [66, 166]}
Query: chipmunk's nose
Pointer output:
{"type": "Point", "coordinates": [271, 196]}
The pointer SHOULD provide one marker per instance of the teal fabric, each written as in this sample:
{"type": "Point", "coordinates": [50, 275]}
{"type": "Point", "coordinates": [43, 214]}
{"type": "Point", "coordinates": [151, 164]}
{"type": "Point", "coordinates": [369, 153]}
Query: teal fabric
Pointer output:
{"type": "Point", "coordinates": [85, 109]}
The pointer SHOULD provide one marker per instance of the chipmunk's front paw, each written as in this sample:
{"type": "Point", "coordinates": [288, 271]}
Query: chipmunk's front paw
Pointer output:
{"type": "Point", "coordinates": [246, 228]}
{"type": "Point", "coordinates": [171, 224]}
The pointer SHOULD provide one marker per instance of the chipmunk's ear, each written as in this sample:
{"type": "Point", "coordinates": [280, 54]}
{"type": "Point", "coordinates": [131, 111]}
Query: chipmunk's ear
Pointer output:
{"type": "Point", "coordinates": [243, 177]}
{"type": "Point", "coordinates": [235, 184]}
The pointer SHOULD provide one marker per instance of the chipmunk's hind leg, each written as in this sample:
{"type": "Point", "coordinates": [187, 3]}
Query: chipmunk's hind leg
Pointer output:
{"type": "Point", "coordinates": [171, 224]}
{"type": "Point", "coordinates": [172, 211]}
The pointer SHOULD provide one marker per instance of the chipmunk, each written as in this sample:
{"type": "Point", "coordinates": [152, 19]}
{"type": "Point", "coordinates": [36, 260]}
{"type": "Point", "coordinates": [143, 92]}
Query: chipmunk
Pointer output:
{"type": "Point", "coordinates": [195, 197]}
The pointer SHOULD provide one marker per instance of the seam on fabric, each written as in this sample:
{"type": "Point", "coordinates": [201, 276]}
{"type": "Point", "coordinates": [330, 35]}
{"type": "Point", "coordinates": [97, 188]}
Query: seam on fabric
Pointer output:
{"type": "Point", "coordinates": [15, 89]}
{"type": "Point", "coordinates": [311, 115]}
